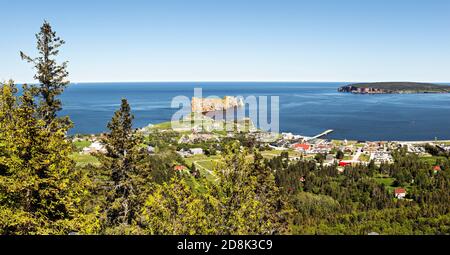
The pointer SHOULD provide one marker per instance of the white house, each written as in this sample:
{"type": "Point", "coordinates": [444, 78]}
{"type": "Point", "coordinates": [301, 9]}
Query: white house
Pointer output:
{"type": "Point", "coordinates": [196, 151]}
{"type": "Point", "coordinates": [400, 193]}
{"type": "Point", "coordinates": [94, 147]}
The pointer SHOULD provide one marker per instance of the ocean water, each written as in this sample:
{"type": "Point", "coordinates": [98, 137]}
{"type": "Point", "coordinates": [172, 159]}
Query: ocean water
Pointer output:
{"type": "Point", "coordinates": [305, 108]}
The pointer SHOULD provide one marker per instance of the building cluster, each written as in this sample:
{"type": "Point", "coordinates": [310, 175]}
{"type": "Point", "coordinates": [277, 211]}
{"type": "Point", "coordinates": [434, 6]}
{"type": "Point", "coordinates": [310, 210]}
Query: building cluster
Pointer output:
{"type": "Point", "coordinates": [198, 137]}
{"type": "Point", "coordinates": [335, 153]}
{"type": "Point", "coordinates": [94, 147]}
{"type": "Point", "coordinates": [381, 157]}
{"type": "Point", "coordinates": [415, 149]}
{"type": "Point", "coordinates": [359, 152]}
{"type": "Point", "coordinates": [190, 152]}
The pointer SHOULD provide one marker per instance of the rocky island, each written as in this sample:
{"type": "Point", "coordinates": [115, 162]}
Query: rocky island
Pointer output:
{"type": "Point", "coordinates": [394, 88]}
{"type": "Point", "coordinates": [204, 105]}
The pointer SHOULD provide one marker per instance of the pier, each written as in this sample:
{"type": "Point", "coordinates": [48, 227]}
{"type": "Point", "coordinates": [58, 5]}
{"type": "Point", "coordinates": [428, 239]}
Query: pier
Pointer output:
{"type": "Point", "coordinates": [320, 135]}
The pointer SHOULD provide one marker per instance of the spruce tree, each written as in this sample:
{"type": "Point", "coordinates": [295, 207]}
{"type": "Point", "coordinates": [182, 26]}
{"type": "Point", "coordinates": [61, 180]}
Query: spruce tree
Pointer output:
{"type": "Point", "coordinates": [38, 181]}
{"type": "Point", "coordinates": [52, 76]}
{"type": "Point", "coordinates": [39, 184]}
{"type": "Point", "coordinates": [174, 208]}
{"type": "Point", "coordinates": [124, 174]}
{"type": "Point", "coordinates": [250, 202]}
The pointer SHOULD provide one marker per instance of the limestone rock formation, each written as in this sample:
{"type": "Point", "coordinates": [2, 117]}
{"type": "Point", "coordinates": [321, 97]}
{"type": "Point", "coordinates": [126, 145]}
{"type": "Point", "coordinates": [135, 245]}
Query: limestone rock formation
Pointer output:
{"type": "Point", "coordinates": [215, 104]}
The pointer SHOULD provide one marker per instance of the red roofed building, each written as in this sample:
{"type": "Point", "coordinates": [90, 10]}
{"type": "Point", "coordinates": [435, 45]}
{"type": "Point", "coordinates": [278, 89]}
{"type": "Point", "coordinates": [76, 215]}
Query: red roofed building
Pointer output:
{"type": "Point", "coordinates": [179, 168]}
{"type": "Point", "coordinates": [343, 163]}
{"type": "Point", "coordinates": [437, 169]}
{"type": "Point", "coordinates": [301, 146]}
{"type": "Point", "coordinates": [400, 193]}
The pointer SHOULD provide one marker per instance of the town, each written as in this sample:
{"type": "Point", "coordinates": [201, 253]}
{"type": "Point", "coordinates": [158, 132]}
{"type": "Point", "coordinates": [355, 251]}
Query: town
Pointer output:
{"type": "Point", "coordinates": [200, 146]}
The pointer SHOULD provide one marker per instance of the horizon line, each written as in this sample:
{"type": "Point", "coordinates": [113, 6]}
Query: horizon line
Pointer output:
{"type": "Point", "coordinates": [235, 81]}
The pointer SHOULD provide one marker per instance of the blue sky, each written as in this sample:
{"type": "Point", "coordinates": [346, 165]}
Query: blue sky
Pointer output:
{"type": "Point", "coordinates": [235, 40]}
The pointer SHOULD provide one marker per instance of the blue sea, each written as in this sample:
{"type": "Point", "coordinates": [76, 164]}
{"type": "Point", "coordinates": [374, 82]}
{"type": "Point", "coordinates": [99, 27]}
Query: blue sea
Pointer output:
{"type": "Point", "coordinates": [305, 108]}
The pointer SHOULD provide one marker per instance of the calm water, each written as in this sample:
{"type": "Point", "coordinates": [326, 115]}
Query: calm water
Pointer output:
{"type": "Point", "coordinates": [305, 108]}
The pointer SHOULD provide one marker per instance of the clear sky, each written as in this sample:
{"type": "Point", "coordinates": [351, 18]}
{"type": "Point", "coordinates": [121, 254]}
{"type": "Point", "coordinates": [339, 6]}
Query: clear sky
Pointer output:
{"type": "Point", "coordinates": [235, 40]}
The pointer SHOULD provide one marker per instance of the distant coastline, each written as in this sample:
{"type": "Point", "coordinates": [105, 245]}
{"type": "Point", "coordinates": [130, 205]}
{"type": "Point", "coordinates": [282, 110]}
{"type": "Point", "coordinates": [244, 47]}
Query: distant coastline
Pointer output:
{"type": "Point", "coordinates": [307, 108]}
{"type": "Point", "coordinates": [394, 88]}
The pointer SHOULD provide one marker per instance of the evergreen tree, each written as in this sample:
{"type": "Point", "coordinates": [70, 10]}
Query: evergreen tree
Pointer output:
{"type": "Point", "coordinates": [244, 189]}
{"type": "Point", "coordinates": [51, 76]}
{"type": "Point", "coordinates": [174, 209]}
{"type": "Point", "coordinates": [39, 184]}
{"type": "Point", "coordinates": [126, 178]}
{"type": "Point", "coordinates": [38, 181]}
{"type": "Point", "coordinates": [340, 155]}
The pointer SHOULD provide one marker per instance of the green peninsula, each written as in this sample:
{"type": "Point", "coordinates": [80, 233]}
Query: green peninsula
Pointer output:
{"type": "Point", "coordinates": [394, 88]}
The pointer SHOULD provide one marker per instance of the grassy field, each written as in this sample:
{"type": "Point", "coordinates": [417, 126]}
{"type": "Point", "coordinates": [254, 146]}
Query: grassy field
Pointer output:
{"type": "Point", "coordinates": [364, 158]}
{"type": "Point", "coordinates": [79, 145]}
{"type": "Point", "coordinates": [163, 125]}
{"type": "Point", "coordinates": [204, 164]}
{"type": "Point", "coordinates": [275, 153]}
{"type": "Point", "coordinates": [388, 182]}
{"type": "Point", "coordinates": [432, 159]}
{"type": "Point", "coordinates": [209, 164]}
{"type": "Point", "coordinates": [84, 159]}
{"type": "Point", "coordinates": [271, 154]}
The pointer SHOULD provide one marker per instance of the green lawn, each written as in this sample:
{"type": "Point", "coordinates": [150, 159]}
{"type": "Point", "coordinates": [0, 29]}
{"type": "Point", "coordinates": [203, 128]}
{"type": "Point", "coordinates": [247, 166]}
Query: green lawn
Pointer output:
{"type": "Point", "coordinates": [204, 164]}
{"type": "Point", "coordinates": [79, 145]}
{"type": "Point", "coordinates": [208, 164]}
{"type": "Point", "coordinates": [190, 160]}
{"type": "Point", "coordinates": [84, 159]}
{"type": "Point", "coordinates": [271, 154]}
{"type": "Point", "coordinates": [388, 182]}
{"type": "Point", "coordinates": [364, 158]}
{"type": "Point", "coordinates": [275, 153]}
{"type": "Point", "coordinates": [431, 160]}
{"type": "Point", "coordinates": [163, 125]}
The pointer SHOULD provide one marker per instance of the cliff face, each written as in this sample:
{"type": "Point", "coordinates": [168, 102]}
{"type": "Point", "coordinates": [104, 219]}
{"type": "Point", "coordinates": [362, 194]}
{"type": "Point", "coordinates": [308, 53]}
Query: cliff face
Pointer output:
{"type": "Point", "coordinates": [214, 104]}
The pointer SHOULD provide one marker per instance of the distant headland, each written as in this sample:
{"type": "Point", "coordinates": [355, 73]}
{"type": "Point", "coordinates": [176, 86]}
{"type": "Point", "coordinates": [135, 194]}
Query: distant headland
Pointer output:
{"type": "Point", "coordinates": [394, 88]}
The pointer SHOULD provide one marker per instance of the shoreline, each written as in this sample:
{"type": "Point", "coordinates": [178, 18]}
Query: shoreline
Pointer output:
{"type": "Point", "coordinates": [306, 137]}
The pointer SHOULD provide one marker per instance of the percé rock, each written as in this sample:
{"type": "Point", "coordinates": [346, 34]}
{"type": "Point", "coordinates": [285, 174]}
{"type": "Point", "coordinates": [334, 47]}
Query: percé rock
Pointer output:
{"type": "Point", "coordinates": [215, 104]}
{"type": "Point", "coordinates": [394, 88]}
